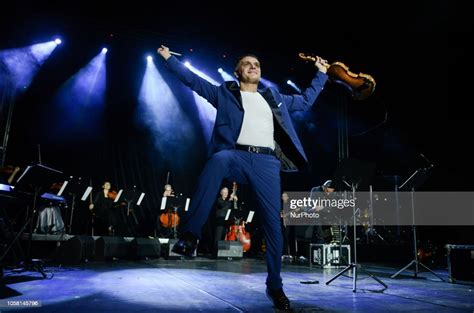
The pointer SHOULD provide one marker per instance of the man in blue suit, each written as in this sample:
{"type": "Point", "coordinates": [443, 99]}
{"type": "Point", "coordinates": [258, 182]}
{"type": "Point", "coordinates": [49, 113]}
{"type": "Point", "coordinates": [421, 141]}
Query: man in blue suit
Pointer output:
{"type": "Point", "coordinates": [253, 138]}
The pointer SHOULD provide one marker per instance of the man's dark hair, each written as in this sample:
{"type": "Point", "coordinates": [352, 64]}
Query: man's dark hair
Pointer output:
{"type": "Point", "coordinates": [239, 59]}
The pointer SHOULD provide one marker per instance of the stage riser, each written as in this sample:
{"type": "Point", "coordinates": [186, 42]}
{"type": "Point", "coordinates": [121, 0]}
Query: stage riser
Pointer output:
{"type": "Point", "coordinates": [80, 249]}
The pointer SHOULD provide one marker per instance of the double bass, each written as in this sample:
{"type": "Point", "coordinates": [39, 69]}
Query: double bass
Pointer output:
{"type": "Point", "coordinates": [361, 85]}
{"type": "Point", "coordinates": [237, 231]}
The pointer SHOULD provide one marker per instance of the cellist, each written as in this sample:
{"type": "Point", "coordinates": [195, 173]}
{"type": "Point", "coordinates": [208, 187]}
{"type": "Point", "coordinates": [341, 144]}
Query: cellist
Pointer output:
{"type": "Point", "coordinates": [169, 219]}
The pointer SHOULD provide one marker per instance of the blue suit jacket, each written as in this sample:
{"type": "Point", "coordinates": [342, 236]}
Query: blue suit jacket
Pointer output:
{"type": "Point", "coordinates": [227, 100]}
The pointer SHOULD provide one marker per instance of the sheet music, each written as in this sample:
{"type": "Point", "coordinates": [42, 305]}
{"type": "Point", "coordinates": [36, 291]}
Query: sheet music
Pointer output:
{"type": "Point", "coordinates": [250, 217]}
{"type": "Point", "coordinates": [186, 207]}
{"type": "Point", "coordinates": [163, 203]}
{"type": "Point", "coordinates": [141, 198]}
{"type": "Point", "coordinates": [118, 195]}
{"type": "Point", "coordinates": [227, 215]}
{"type": "Point", "coordinates": [24, 172]}
{"type": "Point", "coordinates": [62, 188]}
{"type": "Point", "coordinates": [86, 193]}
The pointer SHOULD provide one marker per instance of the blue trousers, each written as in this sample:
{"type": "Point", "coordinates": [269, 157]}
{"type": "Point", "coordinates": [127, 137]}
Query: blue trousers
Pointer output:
{"type": "Point", "coordinates": [262, 172]}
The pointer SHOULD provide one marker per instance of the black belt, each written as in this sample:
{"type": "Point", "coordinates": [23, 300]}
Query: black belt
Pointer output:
{"type": "Point", "coordinates": [255, 149]}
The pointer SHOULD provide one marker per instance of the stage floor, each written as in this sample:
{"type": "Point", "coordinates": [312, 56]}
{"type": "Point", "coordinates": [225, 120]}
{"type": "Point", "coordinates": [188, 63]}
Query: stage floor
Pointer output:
{"type": "Point", "coordinates": [206, 285]}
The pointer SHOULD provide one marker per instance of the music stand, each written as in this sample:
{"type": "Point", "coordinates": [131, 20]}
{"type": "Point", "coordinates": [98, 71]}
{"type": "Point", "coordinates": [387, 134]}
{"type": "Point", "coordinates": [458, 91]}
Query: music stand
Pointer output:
{"type": "Point", "coordinates": [38, 177]}
{"type": "Point", "coordinates": [412, 183]}
{"type": "Point", "coordinates": [74, 186]}
{"type": "Point", "coordinates": [131, 197]}
{"type": "Point", "coordinates": [355, 173]}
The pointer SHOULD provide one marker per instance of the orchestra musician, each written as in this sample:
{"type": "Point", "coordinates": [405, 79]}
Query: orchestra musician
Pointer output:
{"type": "Point", "coordinates": [168, 219]}
{"type": "Point", "coordinates": [323, 233]}
{"type": "Point", "coordinates": [101, 208]}
{"type": "Point", "coordinates": [224, 203]}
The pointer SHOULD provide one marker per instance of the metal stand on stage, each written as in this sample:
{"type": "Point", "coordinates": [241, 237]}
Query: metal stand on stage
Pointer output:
{"type": "Point", "coordinates": [371, 231]}
{"type": "Point", "coordinates": [413, 182]}
{"type": "Point", "coordinates": [358, 173]}
{"type": "Point", "coordinates": [131, 197]}
{"type": "Point", "coordinates": [354, 266]}
{"type": "Point", "coordinates": [38, 177]}
{"type": "Point", "coordinates": [75, 187]}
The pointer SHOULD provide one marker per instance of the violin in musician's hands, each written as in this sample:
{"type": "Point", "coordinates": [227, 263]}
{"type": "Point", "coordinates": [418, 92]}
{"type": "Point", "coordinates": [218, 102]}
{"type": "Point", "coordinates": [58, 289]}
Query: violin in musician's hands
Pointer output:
{"type": "Point", "coordinates": [361, 85]}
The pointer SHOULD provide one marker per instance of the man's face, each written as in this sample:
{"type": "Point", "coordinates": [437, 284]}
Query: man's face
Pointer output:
{"type": "Point", "coordinates": [107, 185]}
{"type": "Point", "coordinates": [284, 197]}
{"type": "Point", "coordinates": [249, 70]}
{"type": "Point", "coordinates": [224, 192]}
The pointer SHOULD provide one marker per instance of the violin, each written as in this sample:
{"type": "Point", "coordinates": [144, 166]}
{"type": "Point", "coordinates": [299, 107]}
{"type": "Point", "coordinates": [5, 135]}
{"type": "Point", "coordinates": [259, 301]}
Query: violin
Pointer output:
{"type": "Point", "coordinates": [112, 194]}
{"type": "Point", "coordinates": [361, 85]}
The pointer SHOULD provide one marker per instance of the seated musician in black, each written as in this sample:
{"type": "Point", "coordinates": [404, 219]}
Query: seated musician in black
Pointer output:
{"type": "Point", "coordinates": [168, 217]}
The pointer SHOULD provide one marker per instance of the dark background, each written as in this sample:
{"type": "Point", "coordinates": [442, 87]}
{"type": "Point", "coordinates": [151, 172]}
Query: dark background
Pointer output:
{"type": "Point", "coordinates": [417, 52]}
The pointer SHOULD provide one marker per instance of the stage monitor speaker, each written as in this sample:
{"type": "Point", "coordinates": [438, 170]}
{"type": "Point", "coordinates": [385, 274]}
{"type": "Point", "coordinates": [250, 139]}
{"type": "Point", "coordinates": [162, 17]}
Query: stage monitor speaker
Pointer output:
{"type": "Point", "coordinates": [229, 250]}
{"type": "Point", "coordinates": [141, 248]}
{"type": "Point", "coordinates": [77, 249]}
{"type": "Point", "coordinates": [168, 254]}
{"type": "Point", "coordinates": [461, 263]}
{"type": "Point", "coordinates": [107, 248]}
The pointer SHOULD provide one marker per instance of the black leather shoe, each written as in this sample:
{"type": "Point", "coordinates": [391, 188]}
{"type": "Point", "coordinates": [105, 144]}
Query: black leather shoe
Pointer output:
{"type": "Point", "coordinates": [186, 245]}
{"type": "Point", "coordinates": [280, 301]}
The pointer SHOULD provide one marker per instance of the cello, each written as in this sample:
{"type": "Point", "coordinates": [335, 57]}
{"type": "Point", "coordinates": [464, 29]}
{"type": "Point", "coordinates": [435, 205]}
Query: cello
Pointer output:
{"type": "Point", "coordinates": [170, 218]}
{"type": "Point", "coordinates": [361, 85]}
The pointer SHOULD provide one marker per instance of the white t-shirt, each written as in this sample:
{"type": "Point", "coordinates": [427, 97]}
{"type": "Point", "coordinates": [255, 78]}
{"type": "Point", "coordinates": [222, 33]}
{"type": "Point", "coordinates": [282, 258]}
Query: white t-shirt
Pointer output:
{"type": "Point", "coordinates": [257, 126]}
